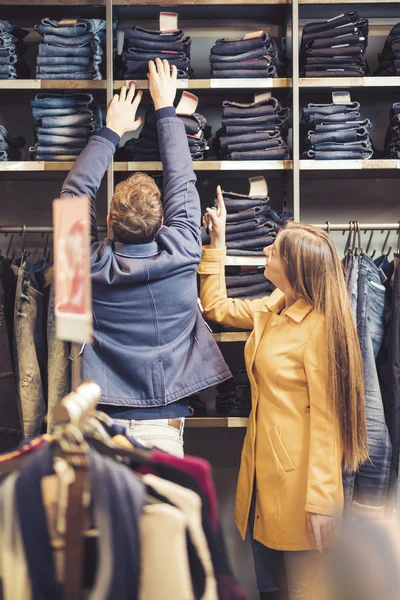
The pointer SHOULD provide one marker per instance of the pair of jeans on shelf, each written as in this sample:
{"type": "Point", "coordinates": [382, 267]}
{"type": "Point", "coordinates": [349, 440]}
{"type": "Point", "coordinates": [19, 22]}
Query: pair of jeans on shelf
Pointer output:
{"type": "Point", "coordinates": [389, 58]}
{"type": "Point", "coordinates": [234, 395]}
{"type": "Point", "coordinates": [12, 48]}
{"type": "Point", "coordinates": [248, 284]}
{"type": "Point", "coordinates": [9, 146]}
{"type": "Point", "coordinates": [63, 42]}
{"type": "Point", "coordinates": [142, 45]}
{"type": "Point", "coordinates": [11, 426]}
{"type": "Point", "coordinates": [368, 487]}
{"type": "Point", "coordinates": [392, 138]}
{"type": "Point", "coordinates": [335, 48]}
{"type": "Point", "coordinates": [251, 224]}
{"type": "Point", "coordinates": [252, 131]}
{"type": "Point", "coordinates": [248, 57]}
{"type": "Point", "coordinates": [41, 361]}
{"type": "Point", "coordinates": [63, 125]}
{"type": "Point", "coordinates": [145, 147]}
{"type": "Point", "coordinates": [334, 132]}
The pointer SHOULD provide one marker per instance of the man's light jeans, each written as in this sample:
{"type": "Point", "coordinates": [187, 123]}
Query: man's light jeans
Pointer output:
{"type": "Point", "coordinates": [157, 433]}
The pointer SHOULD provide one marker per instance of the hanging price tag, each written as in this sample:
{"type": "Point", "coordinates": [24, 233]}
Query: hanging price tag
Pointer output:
{"type": "Point", "coordinates": [341, 98]}
{"type": "Point", "coordinates": [262, 96]}
{"type": "Point", "coordinates": [187, 105]}
{"type": "Point", "coordinates": [258, 187]}
{"type": "Point", "coordinates": [168, 22]}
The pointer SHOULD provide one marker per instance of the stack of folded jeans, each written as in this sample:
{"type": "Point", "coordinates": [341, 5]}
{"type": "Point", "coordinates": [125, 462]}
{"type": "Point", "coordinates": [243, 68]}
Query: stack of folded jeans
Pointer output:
{"type": "Point", "coordinates": [249, 284]}
{"type": "Point", "coordinates": [12, 48]}
{"type": "Point", "coordinates": [234, 396]}
{"type": "Point", "coordinates": [255, 55]}
{"type": "Point", "coordinates": [63, 125]}
{"type": "Point", "coordinates": [253, 131]}
{"type": "Point", "coordinates": [392, 139]}
{"type": "Point", "coordinates": [71, 49]}
{"type": "Point", "coordinates": [335, 132]}
{"type": "Point", "coordinates": [142, 45]}
{"type": "Point", "coordinates": [251, 224]}
{"type": "Point", "coordinates": [10, 147]}
{"type": "Point", "coordinates": [335, 48]}
{"type": "Point", "coordinates": [145, 147]}
{"type": "Point", "coordinates": [389, 59]}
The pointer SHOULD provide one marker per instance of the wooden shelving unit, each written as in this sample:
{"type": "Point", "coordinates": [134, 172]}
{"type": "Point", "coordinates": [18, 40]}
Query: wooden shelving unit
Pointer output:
{"type": "Point", "coordinates": [216, 422]}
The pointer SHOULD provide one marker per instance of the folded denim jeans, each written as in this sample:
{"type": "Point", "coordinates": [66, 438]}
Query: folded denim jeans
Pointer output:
{"type": "Point", "coordinates": [63, 69]}
{"type": "Point", "coordinates": [334, 73]}
{"type": "Point", "coordinates": [337, 21]}
{"type": "Point", "coordinates": [269, 73]}
{"type": "Point", "coordinates": [347, 135]}
{"type": "Point", "coordinates": [50, 51]}
{"type": "Point", "coordinates": [271, 127]}
{"type": "Point", "coordinates": [84, 117]}
{"type": "Point", "coordinates": [228, 47]}
{"type": "Point", "coordinates": [255, 233]}
{"type": "Point", "coordinates": [345, 50]}
{"type": "Point", "coordinates": [58, 150]}
{"type": "Point", "coordinates": [337, 118]}
{"type": "Point", "coordinates": [279, 153]}
{"type": "Point", "coordinates": [194, 123]}
{"type": "Point", "coordinates": [8, 70]}
{"type": "Point", "coordinates": [348, 38]}
{"type": "Point", "coordinates": [324, 127]}
{"type": "Point", "coordinates": [4, 76]}
{"type": "Point", "coordinates": [252, 54]}
{"type": "Point", "coordinates": [78, 42]}
{"type": "Point", "coordinates": [245, 279]}
{"type": "Point", "coordinates": [53, 61]}
{"type": "Point", "coordinates": [339, 155]}
{"type": "Point", "coordinates": [183, 45]}
{"type": "Point", "coordinates": [254, 64]}
{"type": "Point", "coordinates": [256, 136]}
{"type": "Point", "coordinates": [153, 35]}
{"type": "Point", "coordinates": [234, 206]}
{"type": "Point", "coordinates": [9, 51]}
{"type": "Point", "coordinates": [11, 59]}
{"type": "Point", "coordinates": [81, 25]}
{"type": "Point", "coordinates": [46, 100]}
{"type": "Point", "coordinates": [246, 120]}
{"type": "Point", "coordinates": [54, 140]}
{"type": "Point", "coordinates": [87, 76]}
{"type": "Point", "coordinates": [264, 107]}
{"type": "Point", "coordinates": [253, 243]}
{"type": "Point", "coordinates": [261, 288]}
{"type": "Point", "coordinates": [260, 252]}
{"type": "Point", "coordinates": [250, 146]}
{"type": "Point", "coordinates": [82, 132]}
{"type": "Point", "coordinates": [247, 215]}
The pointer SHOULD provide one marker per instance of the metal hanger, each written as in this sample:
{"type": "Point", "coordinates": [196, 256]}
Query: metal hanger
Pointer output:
{"type": "Point", "coordinates": [24, 241]}
{"type": "Point", "coordinates": [348, 246]}
{"type": "Point", "coordinates": [398, 239]}
{"type": "Point", "coordinates": [384, 245]}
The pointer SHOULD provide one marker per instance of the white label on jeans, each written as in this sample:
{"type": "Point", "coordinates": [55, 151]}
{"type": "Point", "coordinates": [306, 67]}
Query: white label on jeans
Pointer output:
{"type": "Point", "coordinates": [187, 105]}
{"type": "Point", "coordinates": [168, 22]}
{"type": "Point", "coordinates": [334, 18]}
{"type": "Point", "coordinates": [120, 41]}
{"type": "Point", "coordinates": [253, 36]}
{"type": "Point", "coordinates": [258, 187]}
{"type": "Point", "coordinates": [341, 98]}
{"type": "Point", "coordinates": [263, 96]}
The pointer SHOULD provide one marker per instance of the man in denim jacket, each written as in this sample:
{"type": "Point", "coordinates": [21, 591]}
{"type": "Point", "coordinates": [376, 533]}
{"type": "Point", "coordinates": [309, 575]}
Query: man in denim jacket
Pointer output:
{"type": "Point", "coordinates": [151, 347]}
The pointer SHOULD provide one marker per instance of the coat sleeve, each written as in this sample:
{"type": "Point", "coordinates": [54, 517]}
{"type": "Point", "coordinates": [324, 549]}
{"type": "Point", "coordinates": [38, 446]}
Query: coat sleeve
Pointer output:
{"type": "Point", "coordinates": [216, 305]}
{"type": "Point", "coordinates": [323, 473]}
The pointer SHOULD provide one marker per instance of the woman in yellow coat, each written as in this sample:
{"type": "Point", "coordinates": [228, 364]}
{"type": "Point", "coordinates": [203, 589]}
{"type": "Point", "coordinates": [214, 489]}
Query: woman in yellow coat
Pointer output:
{"type": "Point", "coordinates": [304, 365]}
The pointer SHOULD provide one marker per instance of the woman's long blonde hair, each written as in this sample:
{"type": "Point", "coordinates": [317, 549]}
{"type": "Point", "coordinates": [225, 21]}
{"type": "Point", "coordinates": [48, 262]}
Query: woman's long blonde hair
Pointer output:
{"type": "Point", "coordinates": [315, 273]}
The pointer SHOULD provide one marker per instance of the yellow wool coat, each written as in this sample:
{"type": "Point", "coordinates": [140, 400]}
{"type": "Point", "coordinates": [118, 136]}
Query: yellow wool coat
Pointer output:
{"type": "Point", "coordinates": [292, 450]}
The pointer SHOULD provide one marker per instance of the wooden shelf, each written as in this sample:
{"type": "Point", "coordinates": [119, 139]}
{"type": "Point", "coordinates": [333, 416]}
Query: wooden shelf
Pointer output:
{"type": "Point", "coordinates": [348, 82]}
{"type": "Point", "coordinates": [34, 165]}
{"type": "Point", "coordinates": [53, 2]}
{"type": "Point", "coordinates": [47, 84]}
{"type": "Point", "coordinates": [197, 2]}
{"type": "Point", "coordinates": [216, 422]}
{"type": "Point", "coordinates": [231, 336]}
{"type": "Point", "coordinates": [347, 1]}
{"type": "Point", "coordinates": [207, 84]}
{"type": "Point", "coordinates": [349, 165]}
{"type": "Point", "coordinates": [211, 165]}
{"type": "Point", "coordinates": [238, 261]}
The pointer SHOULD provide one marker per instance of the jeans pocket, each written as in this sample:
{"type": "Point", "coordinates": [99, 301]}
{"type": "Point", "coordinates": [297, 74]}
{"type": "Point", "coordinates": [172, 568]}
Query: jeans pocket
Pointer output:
{"type": "Point", "coordinates": [279, 449]}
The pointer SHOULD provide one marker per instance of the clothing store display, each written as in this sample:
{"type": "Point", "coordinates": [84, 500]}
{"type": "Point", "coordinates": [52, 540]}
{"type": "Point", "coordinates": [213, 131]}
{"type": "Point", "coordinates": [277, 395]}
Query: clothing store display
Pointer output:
{"type": "Point", "coordinates": [335, 48]}
{"type": "Point", "coordinates": [255, 221]}
{"type": "Point", "coordinates": [71, 48]}
{"type": "Point", "coordinates": [335, 132]}
{"type": "Point", "coordinates": [142, 45]}
{"type": "Point", "coordinates": [135, 370]}
{"type": "Point", "coordinates": [146, 146]}
{"type": "Point", "coordinates": [292, 478]}
{"type": "Point", "coordinates": [389, 58]}
{"type": "Point", "coordinates": [254, 55]}
{"type": "Point", "coordinates": [392, 138]}
{"type": "Point", "coordinates": [10, 147]}
{"type": "Point", "coordinates": [234, 396]}
{"type": "Point", "coordinates": [12, 49]}
{"type": "Point", "coordinates": [41, 361]}
{"type": "Point", "coordinates": [368, 487]}
{"type": "Point", "coordinates": [63, 124]}
{"type": "Point", "coordinates": [254, 131]}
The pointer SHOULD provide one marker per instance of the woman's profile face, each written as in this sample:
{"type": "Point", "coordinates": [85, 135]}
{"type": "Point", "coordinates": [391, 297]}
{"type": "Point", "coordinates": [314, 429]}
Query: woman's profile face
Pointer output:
{"type": "Point", "coordinates": [274, 268]}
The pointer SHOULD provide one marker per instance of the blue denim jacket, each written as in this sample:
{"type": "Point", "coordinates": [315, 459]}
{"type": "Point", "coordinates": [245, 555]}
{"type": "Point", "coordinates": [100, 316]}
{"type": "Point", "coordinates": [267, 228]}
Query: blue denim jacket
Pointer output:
{"type": "Point", "coordinates": [151, 345]}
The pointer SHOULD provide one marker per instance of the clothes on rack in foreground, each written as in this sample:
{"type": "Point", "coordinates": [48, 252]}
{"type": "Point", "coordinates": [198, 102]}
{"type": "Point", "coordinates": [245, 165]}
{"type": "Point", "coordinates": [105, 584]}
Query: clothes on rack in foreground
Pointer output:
{"type": "Point", "coordinates": [254, 55]}
{"type": "Point", "coordinates": [254, 131]}
{"type": "Point", "coordinates": [139, 508]}
{"type": "Point", "coordinates": [335, 132]}
{"type": "Point", "coordinates": [10, 147]}
{"type": "Point", "coordinates": [146, 147]}
{"type": "Point", "coordinates": [63, 124]}
{"type": "Point", "coordinates": [12, 49]}
{"type": "Point", "coordinates": [335, 47]}
{"type": "Point", "coordinates": [71, 48]}
{"type": "Point", "coordinates": [142, 45]}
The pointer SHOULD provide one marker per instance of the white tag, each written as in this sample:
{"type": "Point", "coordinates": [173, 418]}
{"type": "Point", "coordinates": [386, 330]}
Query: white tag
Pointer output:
{"type": "Point", "coordinates": [263, 96]}
{"type": "Point", "coordinates": [252, 36]}
{"type": "Point", "coordinates": [120, 41]}
{"type": "Point", "coordinates": [168, 22]}
{"type": "Point", "coordinates": [341, 98]}
{"type": "Point", "coordinates": [187, 105]}
{"type": "Point", "coordinates": [258, 187]}
{"type": "Point", "coordinates": [334, 18]}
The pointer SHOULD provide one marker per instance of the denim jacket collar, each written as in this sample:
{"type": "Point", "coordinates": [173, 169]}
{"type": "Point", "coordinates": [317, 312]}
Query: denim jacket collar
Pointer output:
{"type": "Point", "coordinates": [298, 311]}
{"type": "Point", "coordinates": [136, 250]}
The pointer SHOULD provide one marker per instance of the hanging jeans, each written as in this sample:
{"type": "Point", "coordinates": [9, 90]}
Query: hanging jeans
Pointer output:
{"type": "Point", "coordinates": [370, 483]}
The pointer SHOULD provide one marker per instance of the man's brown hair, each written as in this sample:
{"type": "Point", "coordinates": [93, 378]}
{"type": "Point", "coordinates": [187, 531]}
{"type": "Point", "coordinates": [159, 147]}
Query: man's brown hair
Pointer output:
{"type": "Point", "coordinates": [136, 210]}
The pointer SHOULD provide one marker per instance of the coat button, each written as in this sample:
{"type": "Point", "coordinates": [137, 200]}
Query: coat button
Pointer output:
{"type": "Point", "coordinates": [273, 323]}
{"type": "Point", "coordinates": [258, 516]}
